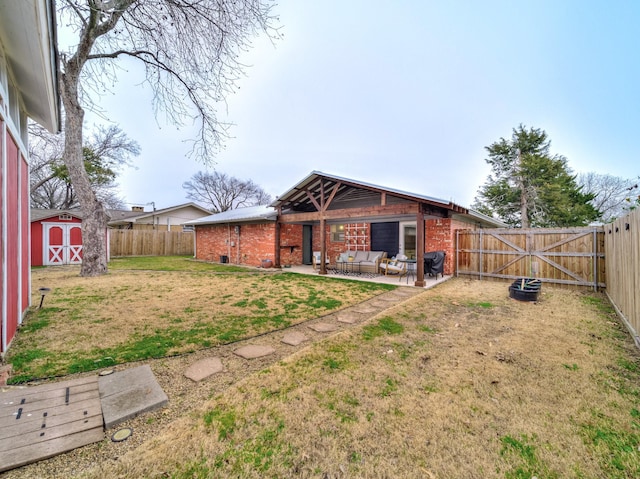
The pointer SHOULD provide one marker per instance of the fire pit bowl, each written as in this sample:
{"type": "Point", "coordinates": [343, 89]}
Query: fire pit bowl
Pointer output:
{"type": "Point", "coordinates": [525, 289]}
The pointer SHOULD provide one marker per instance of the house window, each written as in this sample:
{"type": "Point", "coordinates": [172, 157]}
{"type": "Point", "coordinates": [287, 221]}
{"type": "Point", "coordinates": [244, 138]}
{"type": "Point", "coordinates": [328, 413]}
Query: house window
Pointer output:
{"type": "Point", "coordinates": [186, 228]}
{"type": "Point", "coordinates": [337, 233]}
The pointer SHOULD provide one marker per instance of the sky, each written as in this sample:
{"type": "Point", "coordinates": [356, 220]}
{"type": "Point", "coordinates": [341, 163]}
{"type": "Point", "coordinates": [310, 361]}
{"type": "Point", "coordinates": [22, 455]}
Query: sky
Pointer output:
{"type": "Point", "coordinates": [407, 95]}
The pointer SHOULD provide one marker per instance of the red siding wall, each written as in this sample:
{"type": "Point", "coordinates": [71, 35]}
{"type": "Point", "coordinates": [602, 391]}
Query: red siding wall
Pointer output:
{"type": "Point", "coordinates": [24, 232]}
{"type": "Point", "coordinates": [37, 237]}
{"type": "Point", "coordinates": [2, 290]}
{"type": "Point", "coordinates": [12, 258]}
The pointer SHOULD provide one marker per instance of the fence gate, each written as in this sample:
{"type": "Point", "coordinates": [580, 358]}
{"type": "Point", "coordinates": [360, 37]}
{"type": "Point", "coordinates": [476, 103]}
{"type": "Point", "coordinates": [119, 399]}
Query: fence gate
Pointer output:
{"type": "Point", "coordinates": [570, 256]}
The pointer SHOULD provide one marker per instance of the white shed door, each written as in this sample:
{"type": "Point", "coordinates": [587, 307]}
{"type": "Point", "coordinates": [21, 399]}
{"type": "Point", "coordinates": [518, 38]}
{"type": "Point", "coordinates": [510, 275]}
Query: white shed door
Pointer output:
{"type": "Point", "coordinates": [62, 244]}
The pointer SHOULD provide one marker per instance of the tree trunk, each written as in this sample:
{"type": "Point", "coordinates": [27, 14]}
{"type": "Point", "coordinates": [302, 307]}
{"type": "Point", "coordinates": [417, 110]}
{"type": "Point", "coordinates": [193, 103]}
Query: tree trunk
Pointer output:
{"type": "Point", "coordinates": [94, 218]}
{"type": "Point", "coordinates": [524, 209]}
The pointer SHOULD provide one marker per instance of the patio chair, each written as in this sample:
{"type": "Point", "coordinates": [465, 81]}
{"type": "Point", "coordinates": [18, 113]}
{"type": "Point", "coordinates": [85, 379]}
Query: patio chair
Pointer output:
{"type": "Point", "coordinates": [316, 259]}
{"type": "Point", "coordinates": [393, 265]}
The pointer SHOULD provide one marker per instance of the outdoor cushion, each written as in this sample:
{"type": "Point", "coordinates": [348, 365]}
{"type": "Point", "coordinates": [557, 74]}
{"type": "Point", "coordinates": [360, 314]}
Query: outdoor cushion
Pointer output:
{"type": "Point", "coordinates": [361, 256]}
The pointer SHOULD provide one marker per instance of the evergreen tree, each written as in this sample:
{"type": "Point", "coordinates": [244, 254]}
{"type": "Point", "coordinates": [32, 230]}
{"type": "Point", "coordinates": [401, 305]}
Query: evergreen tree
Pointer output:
{"type": "Point", "coordinates": [530, 187]}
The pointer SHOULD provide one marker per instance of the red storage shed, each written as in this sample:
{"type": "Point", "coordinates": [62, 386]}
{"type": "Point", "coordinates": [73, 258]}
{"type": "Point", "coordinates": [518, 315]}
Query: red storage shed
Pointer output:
{"type": "Point", "coordinates": [56, 237]}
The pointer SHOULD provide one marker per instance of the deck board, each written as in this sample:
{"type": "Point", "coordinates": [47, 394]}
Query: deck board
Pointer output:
{"type": "Point", "coordinates": [42, 421]}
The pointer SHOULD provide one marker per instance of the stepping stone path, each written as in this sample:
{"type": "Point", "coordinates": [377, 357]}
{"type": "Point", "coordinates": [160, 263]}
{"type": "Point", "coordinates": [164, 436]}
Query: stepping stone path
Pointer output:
{"type": "Point", "coordinates": [209, 366]}
{"type": "Point", "coordinates": [203, 369]}
{"type": "Point", "coordinates": [253, 351]}
{"type": "Point", "coordinates": [324, 327]}
{"type": "Point", "coordinates": [294, 338]}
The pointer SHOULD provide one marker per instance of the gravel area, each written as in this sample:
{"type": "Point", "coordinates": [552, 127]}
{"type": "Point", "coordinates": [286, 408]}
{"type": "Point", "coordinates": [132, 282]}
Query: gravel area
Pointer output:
{"type": "Point", "coordinates": [186, 395]}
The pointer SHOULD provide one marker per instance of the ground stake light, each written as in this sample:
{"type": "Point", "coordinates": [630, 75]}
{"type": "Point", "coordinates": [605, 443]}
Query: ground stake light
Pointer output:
{"type": "Point", "coordinates": [43, 293]}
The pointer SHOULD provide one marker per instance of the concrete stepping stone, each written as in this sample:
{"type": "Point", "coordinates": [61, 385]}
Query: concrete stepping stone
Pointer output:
{"type": "Point", "coordinates": [365, 310]}
{"type": "Point", "coordinates": [388, 298]}
{"type": "Point", "coordinates": [253, 351]}
{"type": "Point", "coordinates": [129, 393]}
{"type": "Point", "coordinates": [347, 319]}
{"type": "Point", "coordinates": [203, 369]}
{"type": "Point", "coordinates": [324, 327]}
{"type": "Point", "coordinates": [294, 338]}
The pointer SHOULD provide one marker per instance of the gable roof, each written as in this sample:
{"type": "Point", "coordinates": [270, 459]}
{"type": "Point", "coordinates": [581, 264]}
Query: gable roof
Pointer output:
{"type": "Point", "coordinates": [39, 214]}
{"type": "Point", "coordinates": [239, 215]}
{"type": "Point", "coordinates": [305, 196]}
{"type": "Point", "coordinates": [128, 216]}
{"type": "Point", "coordinates": [318, 180]}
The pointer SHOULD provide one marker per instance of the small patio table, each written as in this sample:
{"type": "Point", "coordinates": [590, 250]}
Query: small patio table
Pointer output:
{"type": "Point", "coordinates": [411, 268]}
{"type": "Point", "coordinates": [345, 269]}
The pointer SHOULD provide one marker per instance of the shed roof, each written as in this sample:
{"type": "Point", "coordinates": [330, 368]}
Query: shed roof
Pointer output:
{"type": "Point", "coordinates": [39, 214]}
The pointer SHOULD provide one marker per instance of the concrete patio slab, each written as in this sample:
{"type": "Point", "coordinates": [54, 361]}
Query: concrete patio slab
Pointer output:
{"type": "Point", "coordinates": [324, 327]}
{"type": "Point", "coordinates": [203, 369]}
{"type": "Point", "coordinates": [254, 351]}
{"type": "Point", "coordinates": [129, 393]}
{"type": "Point", "coordinates": [294, 338]}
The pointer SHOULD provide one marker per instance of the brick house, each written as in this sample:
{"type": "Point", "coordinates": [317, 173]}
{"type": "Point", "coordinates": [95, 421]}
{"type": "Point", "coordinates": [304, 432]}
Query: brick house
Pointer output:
{"type": "Point", "coordinates": [28, 89]}
{"type": "Point", "coordinates": [332, 214]}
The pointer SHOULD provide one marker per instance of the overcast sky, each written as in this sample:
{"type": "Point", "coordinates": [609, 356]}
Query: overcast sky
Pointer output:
{"type": "Point", "coordinates": [407, 94]}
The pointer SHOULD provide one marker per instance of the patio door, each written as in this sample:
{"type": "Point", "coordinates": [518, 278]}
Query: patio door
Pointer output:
{"type": "Point", "coordinates": [63, 244]}
{"type": "Point", "coordinates": [407, 239]}
{"type": "Point", "coordinates": [307, 244]}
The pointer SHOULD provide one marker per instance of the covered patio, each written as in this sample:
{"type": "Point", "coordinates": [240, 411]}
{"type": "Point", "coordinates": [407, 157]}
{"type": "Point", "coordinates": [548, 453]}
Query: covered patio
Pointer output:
{"type": "Point", "coordinates": [405, 281]}
{"type": "Point", "coordinates": [340, 214]}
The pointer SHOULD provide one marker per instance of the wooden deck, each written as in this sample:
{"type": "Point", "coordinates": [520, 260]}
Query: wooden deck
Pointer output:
{"type": "Point", "coordinates": [43, 421]}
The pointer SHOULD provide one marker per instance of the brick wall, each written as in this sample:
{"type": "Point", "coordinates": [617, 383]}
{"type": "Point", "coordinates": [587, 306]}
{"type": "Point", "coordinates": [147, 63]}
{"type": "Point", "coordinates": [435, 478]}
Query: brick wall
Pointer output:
{"type": "Point", "coordinates": [291, 241]}
{"type": "Point", "coordinates": [440, 235]}
{"type": "Point", "coordinates": [249, 246]}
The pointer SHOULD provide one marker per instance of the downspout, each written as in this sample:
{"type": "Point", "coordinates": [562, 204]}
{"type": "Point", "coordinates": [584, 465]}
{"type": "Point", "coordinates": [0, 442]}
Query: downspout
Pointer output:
{"type": "Point", "coordinates": [229, 241]}
{"type": "Point", "coordinates": [238, 245]}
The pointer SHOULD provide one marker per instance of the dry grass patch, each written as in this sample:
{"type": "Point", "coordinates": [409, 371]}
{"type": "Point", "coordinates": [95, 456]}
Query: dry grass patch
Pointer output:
{"type": "Point", "coordinates": [127, 315]}
{"type": "Point", "coordinates": [458, 382]}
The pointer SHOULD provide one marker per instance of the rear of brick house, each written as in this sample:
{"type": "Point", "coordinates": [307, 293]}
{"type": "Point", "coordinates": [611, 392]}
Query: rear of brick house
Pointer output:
{"type": "Point", "coordinates": [335, 214]}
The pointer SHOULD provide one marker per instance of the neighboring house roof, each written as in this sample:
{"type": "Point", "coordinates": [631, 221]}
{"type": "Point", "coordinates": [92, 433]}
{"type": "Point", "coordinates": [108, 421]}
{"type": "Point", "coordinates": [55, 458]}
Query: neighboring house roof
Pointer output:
{"type": "Point", "coordinates": [28, 34]}
{"type": "Point", "coordinates": [239, 215]}
{"type": "Point", "coordinates": [299, 199]}
{"type": "Point", "coordinates": [128, 216]}
{"type": "Point", "coordinates": [39, 214]}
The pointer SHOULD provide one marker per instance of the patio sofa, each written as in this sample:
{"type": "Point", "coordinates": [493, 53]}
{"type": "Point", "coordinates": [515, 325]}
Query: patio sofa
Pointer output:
{"type": "Point", "coordinates": [369, 261]}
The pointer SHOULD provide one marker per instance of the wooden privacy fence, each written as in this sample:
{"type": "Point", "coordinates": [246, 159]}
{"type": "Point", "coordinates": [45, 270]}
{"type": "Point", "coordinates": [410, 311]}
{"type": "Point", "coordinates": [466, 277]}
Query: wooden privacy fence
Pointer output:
{"type": "Point", "coordinates": [150, 243]}
{"type": "Point", "coordinates": [567, 256]}
{"type": "Point", "coordinates": [622, 247]}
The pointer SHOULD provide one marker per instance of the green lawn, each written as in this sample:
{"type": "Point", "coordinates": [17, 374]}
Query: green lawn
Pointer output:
{"type": "Point", "coordinates": [153, 307]}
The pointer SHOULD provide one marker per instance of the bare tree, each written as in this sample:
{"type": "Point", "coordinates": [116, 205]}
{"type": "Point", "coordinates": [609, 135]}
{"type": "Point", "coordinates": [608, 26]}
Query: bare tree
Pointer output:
{"type": "Point", "coordinates": [221, 192]}
{"type": "Point", "coordinates": [612, 194]}
{"type": "Point", "coordinates": [190, 51]}
{"type": "Point", "coordinates": [105, 152]}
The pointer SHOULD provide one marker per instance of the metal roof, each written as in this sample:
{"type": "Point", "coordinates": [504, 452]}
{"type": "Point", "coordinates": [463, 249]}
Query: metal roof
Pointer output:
{"type": "Point", "coordinates": [239, 215]}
